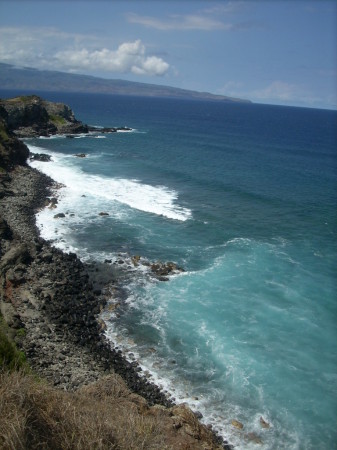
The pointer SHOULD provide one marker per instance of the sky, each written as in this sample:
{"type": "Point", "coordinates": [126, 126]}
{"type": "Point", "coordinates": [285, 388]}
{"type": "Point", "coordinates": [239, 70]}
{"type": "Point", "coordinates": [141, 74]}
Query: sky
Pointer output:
{"type": "Point", "coordinates": [273, 52]}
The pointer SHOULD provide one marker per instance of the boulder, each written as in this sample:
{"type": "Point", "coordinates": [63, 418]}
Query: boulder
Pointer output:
{"type": "Point", "coordinates": [253, 437]}
{"type": "Point", "coordinates": [237, 424]}
{"type": "Point", "coordinates": [52, 202]}
{"type": "Point", "coordinates": [263, 423]}
{"type": "Point", "coordinates": [164, 269]}
{"type": "Point", "coordinates": [17, 254]}
{"type": "Point", "coordinates": [39, 157]}
{"type": "Point", "coordinates": [135, 260]}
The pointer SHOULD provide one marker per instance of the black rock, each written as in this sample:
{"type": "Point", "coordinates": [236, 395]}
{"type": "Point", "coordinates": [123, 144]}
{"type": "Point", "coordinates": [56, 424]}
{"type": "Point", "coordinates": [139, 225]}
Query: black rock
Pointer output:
{"type": "Point", "coordinates": [39, 157]}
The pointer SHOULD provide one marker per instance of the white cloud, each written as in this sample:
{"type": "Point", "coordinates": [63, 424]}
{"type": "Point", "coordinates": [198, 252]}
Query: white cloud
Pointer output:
{"type": "Point", "coordinates": [179, 22]}
{"type": "Point", "coordinates": [45, 48]}
{"type": "Point", "coordinates": [231, 86]}
{"type": "Point", "coordinates": [208, 19]}
{"type": "Point", "coordinates": [129, 57]}
{"type": "Point", "coordinates": [277, 90]}
{"type": "Point", "coordinates": [278, 93]}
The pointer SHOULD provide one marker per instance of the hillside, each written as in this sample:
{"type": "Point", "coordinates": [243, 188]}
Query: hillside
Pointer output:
{"type": "Point", "coordinates": [28, 79]}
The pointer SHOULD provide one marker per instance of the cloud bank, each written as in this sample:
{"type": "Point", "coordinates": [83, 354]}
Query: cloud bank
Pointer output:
{"type": "Point", "coordinates": [212, 18]}
{"type": "Point", "coordinates": [129, 57]}
{"type": "Point", "coordinates": [276, 92]}
{"type": "Point", "coordinates": [52, 49]}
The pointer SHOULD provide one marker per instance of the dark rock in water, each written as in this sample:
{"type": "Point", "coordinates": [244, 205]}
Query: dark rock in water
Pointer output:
{"type": "Point", "coordinates": [59, 215]}
{"type": "Point", "coordinates": [135, 260]}
{"type": "Point", "coordinates": [263, 423]}
{"type": "Point", "coordinates": [123, 129]}
{"type": "Point", "coordinates": [108, 129]}
{"type": "Point", "coordinates": [163, 278]}
{"type": "Point", "coordinates": [80, 155]}
{"type": "Point", "coordinates": [253, 437]}
{"type": "Point", "coordinates": [102, 130]}
{"type": "Point", "coordinates": [103, 214]}
{"type": "Point", "coordinates": [53, 202]}
{"type": "Point", "coordinates": [237, 424]}
{"type": "Point", "coordinates": [163, 269]}
{"type": "Point", "coordinates": [39, 157]}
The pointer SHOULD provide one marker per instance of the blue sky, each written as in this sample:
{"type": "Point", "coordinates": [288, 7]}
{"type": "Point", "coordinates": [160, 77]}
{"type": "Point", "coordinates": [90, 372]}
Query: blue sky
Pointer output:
{"type": "Point", "coordinates": [276, 52]}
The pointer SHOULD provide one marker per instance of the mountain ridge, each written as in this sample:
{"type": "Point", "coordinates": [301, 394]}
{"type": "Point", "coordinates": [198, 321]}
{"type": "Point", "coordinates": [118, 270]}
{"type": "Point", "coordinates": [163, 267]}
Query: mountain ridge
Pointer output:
{"type": "Point", "coordinates": [27, 78]}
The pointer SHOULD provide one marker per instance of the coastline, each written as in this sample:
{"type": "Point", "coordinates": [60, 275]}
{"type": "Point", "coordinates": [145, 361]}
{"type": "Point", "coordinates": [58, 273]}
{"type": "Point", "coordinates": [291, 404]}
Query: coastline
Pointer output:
{"type": "Point", "coordinates": [63, 298]}
{"type": "Point", "coordinates": [56, 299]}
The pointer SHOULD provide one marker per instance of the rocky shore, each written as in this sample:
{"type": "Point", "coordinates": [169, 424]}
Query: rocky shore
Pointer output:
{"type": "Point", "coordinates": [55, 298]}
{"type": "Point", "coordinates": [52, 302]}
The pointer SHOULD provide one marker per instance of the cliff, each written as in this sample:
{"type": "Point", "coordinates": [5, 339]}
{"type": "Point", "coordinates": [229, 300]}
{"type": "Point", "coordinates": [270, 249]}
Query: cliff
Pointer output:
{"type": "Point", "coordinates": [31, 116]}
{"type": "Point", "coordinates": [12, 151]}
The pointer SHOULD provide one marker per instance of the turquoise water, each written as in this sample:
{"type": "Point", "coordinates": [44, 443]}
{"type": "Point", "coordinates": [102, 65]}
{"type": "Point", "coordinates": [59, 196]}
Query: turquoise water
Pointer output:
{"type": "Point", "coordinates": [243, 197]}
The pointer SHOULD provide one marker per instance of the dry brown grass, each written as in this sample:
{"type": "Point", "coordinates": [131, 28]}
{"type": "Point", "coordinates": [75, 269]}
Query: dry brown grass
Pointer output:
{"type": "Point", "coordinates": [103, 416]}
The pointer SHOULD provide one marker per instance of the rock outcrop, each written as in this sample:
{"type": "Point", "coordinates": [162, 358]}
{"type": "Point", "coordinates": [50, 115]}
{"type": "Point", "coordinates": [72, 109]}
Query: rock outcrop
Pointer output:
{"type": "Point", "coordinates": [12, 151]}
{"type": "Point", "coordinates": [29, 116]}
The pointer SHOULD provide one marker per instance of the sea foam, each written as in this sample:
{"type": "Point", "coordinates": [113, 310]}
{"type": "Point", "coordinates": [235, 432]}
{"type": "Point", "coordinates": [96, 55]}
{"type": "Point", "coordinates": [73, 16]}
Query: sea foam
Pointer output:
{"type": "Point", "coordinates": [158, 200]}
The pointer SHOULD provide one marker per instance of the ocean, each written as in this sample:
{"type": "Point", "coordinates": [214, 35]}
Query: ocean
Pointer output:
{"type": "Point", "coordinates": [243, 198]}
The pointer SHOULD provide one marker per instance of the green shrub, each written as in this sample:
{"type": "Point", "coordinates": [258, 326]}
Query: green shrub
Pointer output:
{"type": "Point", "coordinates": [10, 357]}
{"type": "Point", "coordinates": [57, 120]}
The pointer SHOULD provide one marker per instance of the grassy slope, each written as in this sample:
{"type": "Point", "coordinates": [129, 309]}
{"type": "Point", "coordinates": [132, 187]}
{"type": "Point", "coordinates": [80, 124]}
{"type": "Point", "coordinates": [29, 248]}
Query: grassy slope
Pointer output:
{"type": "Point", "coordinates": [34, 415]}
{"type": "Point", "coordinates": [10, 357]}
{"type": "Point", "coordinates": [105, 415]}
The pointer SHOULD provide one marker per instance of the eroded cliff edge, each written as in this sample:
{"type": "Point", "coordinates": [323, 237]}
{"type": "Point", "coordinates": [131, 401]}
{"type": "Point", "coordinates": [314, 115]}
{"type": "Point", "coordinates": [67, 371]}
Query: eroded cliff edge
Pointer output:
{"type": "Point", "coordinates": [51, 301]}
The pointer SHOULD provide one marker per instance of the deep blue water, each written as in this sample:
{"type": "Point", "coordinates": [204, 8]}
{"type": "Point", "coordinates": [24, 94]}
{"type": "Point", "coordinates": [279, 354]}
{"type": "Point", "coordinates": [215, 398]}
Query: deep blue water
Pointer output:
{"type": "Point", "coordinates": [244, 198]}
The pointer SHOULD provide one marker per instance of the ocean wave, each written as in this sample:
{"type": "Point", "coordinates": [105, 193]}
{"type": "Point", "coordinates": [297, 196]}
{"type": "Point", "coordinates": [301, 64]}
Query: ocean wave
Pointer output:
{"type": "Point", "coordinates": [159, 200]}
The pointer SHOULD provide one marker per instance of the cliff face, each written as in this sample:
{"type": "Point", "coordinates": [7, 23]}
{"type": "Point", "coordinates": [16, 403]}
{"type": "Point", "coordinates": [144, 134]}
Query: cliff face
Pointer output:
{"type": "Point", "coordinates": [30, 116]}
{"type": "Point", "coordinates": [12, 151]}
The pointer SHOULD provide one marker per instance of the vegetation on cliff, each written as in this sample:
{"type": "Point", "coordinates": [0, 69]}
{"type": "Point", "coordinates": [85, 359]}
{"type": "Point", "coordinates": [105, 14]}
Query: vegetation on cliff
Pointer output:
{"type": "Point", "coordinates": [10, 357]}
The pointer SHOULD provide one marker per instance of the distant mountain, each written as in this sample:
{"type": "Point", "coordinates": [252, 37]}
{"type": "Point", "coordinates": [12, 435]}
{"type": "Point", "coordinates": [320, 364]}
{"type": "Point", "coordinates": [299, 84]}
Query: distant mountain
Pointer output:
{"type": "Point", "coordinates": [29, 79]}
